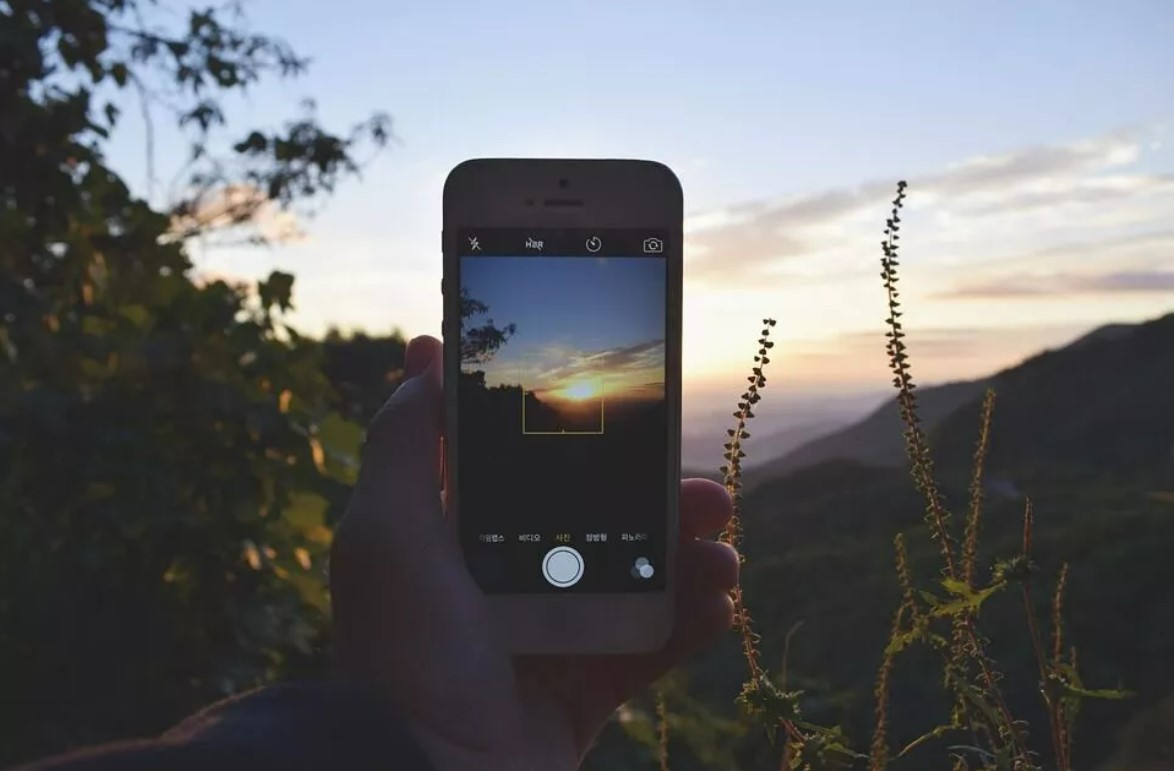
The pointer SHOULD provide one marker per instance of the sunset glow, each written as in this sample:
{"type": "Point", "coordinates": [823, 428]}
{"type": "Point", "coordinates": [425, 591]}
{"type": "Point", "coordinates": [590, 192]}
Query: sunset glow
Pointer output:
{"type": "Point", "coordinates": [580, 390]}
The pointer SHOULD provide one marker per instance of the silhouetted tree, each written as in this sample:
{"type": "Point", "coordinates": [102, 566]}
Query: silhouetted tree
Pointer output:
{"type": "Point", "coordinates": [480, 343]}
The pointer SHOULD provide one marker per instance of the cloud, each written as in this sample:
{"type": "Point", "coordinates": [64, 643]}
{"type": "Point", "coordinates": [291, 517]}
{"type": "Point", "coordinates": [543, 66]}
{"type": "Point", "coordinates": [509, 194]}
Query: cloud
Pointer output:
{"type": "Point", "coordinates": [1032, 164]}
{"type": "Point", "coordinates": [755, 234]}
{"type": "Point", "coordinates": [1032, 192]}
{"type": "Point", "coordinates": [940, 342]}
{"type": "Point", "coordinates": [938, 353]}
{"type": "Point", "coordinates": [1065, 284]}
{"type": "Point", "coordinates": [1146, 250]}
{"type": "Point", "coordinates": [642, 356]}
{"type": "Point", "coordinates": [1097, 191]}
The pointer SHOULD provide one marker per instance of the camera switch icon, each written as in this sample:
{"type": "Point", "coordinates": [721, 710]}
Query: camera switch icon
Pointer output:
{"type": "Point", "coordinates": [643, 569]}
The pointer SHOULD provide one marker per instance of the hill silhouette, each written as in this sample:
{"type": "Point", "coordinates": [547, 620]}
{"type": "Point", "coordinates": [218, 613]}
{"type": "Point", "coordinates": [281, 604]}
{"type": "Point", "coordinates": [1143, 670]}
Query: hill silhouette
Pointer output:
{"type": "Point", "coordinates": [1102, 406]}
{"type": "Point", "coordinates": [877, 439]}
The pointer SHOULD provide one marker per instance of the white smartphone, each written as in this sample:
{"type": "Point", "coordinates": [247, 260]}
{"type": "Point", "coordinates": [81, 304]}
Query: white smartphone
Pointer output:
{"type": "Point", "coordinates": [562, 344]}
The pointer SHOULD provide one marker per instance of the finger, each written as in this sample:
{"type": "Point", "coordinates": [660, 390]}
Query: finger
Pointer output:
{"type": "Point", "coordinates": [418, 356]}
{"type": "Point", "coordinates": [705, 567]}
{"type": "Point", "coordinates": [700, 623]}
{"type": "Point", "coordinates": [404, 434]}
{"type": "Point", "coordinates": [705, 508]}
{"type": "Point", "coordinates": [707, 571]}
{"type": "Point", "coordinates": [399, 482]}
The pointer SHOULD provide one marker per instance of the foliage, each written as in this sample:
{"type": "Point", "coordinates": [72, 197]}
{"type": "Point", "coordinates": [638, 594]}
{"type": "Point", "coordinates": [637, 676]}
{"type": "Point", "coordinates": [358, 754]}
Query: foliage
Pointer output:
{"type": "Point", "coordinates": [170, 455]}
{"type": "Point", "coordinates": [480, 343]}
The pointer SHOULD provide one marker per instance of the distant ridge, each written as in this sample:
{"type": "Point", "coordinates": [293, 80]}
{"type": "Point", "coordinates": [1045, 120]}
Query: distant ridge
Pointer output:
{"type": "Point", "coordinates": [877, 439]}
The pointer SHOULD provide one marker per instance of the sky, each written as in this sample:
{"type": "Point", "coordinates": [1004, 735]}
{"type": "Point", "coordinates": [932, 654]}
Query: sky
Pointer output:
{"type": "Point", "coordinates": [582, 326]}
{"type": "Point", "coordinates": [1036, 138]}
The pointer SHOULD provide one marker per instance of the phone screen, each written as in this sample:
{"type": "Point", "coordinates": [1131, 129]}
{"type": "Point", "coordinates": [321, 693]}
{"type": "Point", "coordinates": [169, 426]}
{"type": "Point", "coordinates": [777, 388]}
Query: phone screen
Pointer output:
{"type": "Point", "coordinates": [562, 450]}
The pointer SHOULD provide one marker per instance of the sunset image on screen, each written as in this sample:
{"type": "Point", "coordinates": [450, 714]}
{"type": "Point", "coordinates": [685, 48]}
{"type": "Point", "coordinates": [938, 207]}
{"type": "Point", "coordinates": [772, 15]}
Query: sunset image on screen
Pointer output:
{"type": "Point", "coordinates": [576, 344]}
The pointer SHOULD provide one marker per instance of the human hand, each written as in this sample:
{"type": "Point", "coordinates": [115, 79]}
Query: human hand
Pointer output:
{"type": "Point", "coordinates": [411, 620]}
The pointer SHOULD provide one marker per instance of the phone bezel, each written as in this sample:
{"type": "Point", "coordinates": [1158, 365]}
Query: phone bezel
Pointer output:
{"type": "Point", "coordinates": [509, 193]}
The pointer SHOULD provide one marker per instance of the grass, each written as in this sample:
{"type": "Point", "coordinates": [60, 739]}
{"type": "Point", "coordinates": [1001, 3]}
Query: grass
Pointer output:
{"type": "Point", "coordinates": [943, 613]}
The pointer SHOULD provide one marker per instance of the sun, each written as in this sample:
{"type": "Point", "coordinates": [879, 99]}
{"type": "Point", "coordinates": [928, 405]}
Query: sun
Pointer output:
{"type": "Point", "coordinates": [580, 391]}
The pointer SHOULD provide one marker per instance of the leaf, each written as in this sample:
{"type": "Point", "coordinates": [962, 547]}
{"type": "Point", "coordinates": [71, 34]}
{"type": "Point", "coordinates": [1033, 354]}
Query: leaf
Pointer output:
{"type": "Point", "coordinates": [936, 733]}
{"type": "Point", "coordinates": [971, 749]}
{"type": "Point", "coordinates": [956, 587]}
{"type": "Point", "coordinates": [311, 589]}
{"type": "Point", "coordinates": [900, 642]}
{"type": "Point", "coordinates": [967, 600]}
{"type": "Point", "coordinates": [341, 438]}
{"type": "Point", "coordinates": [1108, 694]}
{"type": "Point", "coordinates": [1068, 679]}
{"type": "Point", "coordinates": [976, 699]}
{"type": "Point", "coordinates": [306, 511]}
{"type": "Point", "coordinates": [277, 290]}
{"type": "Point", "coordinates": [96, 326]}
{"type": "Point", "coordinates": [763, 699]}
{"type": "Point", "coordinates": [135, 314]}
{"type": "Point", "coordinates": [319, 534]}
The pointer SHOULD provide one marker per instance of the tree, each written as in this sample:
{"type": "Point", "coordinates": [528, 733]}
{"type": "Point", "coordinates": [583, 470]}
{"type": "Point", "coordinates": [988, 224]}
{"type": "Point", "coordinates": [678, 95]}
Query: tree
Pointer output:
{"type": "Point", "coordinates": [169, 460]}
{"type": "Point", "coordinates": [480, 343]}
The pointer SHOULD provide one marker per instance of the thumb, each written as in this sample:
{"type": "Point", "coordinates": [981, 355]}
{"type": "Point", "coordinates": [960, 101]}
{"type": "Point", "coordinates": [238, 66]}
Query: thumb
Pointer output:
{"type": "Point", "coordinates": [400, 469]}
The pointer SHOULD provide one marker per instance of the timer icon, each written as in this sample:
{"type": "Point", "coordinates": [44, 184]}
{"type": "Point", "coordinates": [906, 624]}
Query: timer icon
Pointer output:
{"type": "Point", "coordinates": [594, 244]}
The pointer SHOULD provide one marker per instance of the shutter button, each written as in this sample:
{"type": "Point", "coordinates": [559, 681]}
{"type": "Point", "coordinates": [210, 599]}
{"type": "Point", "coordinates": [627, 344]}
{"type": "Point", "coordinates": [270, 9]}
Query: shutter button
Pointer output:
{"type": "Point", "coordinates": [562, 566]}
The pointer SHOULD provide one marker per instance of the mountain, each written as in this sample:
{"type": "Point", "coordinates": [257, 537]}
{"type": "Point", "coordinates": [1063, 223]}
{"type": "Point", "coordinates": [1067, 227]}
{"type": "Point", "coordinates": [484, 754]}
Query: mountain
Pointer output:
{"type": "Point", "coordinates": [1106, 332]}
{"type": "Point", "coordinates": [876, 439]}
{"type": "Point", "coordinates": [782, 442]}
{"type": "Point", "coordinates": [1102, 406]}
{"type": "Point", "coordinates": [701, 446]}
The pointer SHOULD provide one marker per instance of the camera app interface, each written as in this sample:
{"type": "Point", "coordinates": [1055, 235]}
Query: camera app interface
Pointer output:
{"type": "Point", "coordinates": [563, 424]}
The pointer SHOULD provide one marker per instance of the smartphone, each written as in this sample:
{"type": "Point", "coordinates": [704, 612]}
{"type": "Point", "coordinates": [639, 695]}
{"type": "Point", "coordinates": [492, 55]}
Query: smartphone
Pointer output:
{"type": "Point", "coordinates": [562, 345]}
